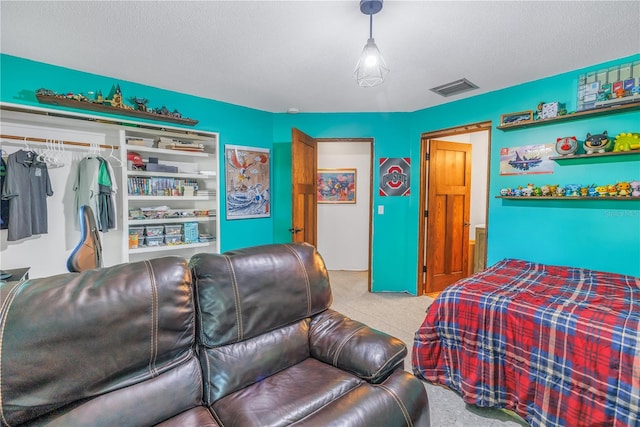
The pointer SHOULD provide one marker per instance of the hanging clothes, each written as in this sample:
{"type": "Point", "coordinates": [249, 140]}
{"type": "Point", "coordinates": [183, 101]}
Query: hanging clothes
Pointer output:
{"type": "Point", "coordinates": [26, 186]}
{"type": "Point", "coordinates": [94, 187]}
{"type": "Point", "coordinates": [4, 204]}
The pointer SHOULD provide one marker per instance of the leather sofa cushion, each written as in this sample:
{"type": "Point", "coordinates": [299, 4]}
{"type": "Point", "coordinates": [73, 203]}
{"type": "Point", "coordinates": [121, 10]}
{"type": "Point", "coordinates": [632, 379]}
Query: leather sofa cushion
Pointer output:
{"type": "Point", "coordinates": [76, 336]}
{"type": "Point", "coordinates": [286, 397]}
{"type": "Point", "coordinates": [400, 400]}
{"type": "Point", "coordinates": [244, 293]}
{"type": "Point", "coordinates": [234, 366]}
{"type": "Point", "coordinates": [198, 416]}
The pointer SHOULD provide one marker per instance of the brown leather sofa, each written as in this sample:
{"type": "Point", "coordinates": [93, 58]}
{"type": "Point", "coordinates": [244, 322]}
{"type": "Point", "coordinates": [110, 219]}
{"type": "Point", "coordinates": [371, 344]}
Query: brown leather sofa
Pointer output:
{"type": "Point", "coordinates": [245, 338]}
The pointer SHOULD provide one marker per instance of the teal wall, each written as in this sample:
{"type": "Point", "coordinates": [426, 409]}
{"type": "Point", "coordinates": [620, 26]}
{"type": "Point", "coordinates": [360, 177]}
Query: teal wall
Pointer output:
{"type": "Point", "coordinates": [593, 234]}
{"type": "Point", "coordinates": [599, 235]}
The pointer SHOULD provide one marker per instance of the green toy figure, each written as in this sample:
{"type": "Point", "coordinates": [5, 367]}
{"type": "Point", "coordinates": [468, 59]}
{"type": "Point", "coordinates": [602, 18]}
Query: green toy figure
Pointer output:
{"type": "Point", "coordinates": [627, 142]}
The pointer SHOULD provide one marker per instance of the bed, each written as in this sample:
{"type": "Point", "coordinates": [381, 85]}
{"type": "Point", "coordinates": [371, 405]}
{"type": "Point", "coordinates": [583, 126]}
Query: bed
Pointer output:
{"type": "Point", "coordinates": [559, 346]}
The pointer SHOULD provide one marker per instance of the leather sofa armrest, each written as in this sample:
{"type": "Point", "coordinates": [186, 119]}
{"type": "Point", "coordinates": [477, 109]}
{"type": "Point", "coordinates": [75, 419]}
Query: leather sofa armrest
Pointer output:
{"type": "Point", "coordinates": [354, 347]}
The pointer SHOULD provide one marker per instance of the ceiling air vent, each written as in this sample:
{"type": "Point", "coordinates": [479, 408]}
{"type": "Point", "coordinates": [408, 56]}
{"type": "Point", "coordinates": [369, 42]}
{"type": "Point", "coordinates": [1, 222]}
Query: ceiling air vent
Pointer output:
{"type": "Point", "coordinates": [454, 88]}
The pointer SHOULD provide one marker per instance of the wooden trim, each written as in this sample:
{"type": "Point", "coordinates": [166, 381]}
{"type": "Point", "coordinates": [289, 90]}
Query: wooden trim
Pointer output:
{"type": "Point", "coordinates": [424, 150]}
{"type": "Point", "coordinates": [425, 138]}
{"type": "Point", "coordinates": [457, 130]}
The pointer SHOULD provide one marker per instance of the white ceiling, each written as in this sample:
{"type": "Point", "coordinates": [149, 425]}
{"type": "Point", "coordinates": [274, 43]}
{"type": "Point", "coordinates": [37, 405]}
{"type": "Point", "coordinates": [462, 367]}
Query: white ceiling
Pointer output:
{"type": "Point", "coordinates": [276, 55]}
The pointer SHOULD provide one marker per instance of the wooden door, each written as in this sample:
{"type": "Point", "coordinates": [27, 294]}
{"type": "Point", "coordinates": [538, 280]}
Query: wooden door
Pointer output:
{"type": "Point", "coordinates": [303, 178]}
{"type": "Point", "coordinates": [447, 216]}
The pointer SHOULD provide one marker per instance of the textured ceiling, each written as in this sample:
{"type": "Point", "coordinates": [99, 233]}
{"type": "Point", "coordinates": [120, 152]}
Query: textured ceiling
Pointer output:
{"type": "Point", "coordinates": [276, 55]}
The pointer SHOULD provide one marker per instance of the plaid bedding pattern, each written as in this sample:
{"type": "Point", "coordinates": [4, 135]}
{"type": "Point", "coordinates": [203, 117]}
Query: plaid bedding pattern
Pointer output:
{"type": "Point", "coordinates": [559, 346]}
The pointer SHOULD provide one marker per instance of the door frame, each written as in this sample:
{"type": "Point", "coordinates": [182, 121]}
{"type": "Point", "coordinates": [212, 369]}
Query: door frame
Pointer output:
{"type": "Point", "coordinates": [425, 137]}
{"type": "Point", "coordinates": [371, 174]}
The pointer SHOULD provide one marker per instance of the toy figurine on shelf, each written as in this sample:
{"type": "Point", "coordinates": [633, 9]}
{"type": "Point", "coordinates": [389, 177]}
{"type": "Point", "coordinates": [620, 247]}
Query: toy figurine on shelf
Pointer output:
{"type": "Point", "coordinates": [593, 192]}
{"type": "Point", "coordinates": [612, 190]}
{"type": "Point", "coordinates": [624, 189]}
{"type": "Point", "coordinates": [572, 190]}
{"type": "Point", "coordinates": [560, 191]}
{"type": "Point", "coordinates": [602, 191]}
{"type": "Point", "coordinates": [517, 192]}
{"type": "Point", "coordinates": [567, 145]}
{"type": "Point", "coordinates": [627, 142]}
{"type": "Point", "coordinates": [545, 190]}
{"type": "Point", "coordinates": [597, 143]}
{"type": "Point", "coordinates": [635, 188]}
{"type": "Point", "coordinates": [553, 189]}
{"type": "Point", "coordinates": [584, 191]}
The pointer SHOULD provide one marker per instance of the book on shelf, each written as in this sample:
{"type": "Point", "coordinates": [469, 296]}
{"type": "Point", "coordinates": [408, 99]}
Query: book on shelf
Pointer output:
{"type": "Point", "coordinates": [176, 144]}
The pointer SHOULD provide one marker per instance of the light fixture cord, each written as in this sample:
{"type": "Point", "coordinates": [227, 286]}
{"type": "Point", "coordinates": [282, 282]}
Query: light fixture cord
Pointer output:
{"type": "Point", "coordinates": [370, 26]}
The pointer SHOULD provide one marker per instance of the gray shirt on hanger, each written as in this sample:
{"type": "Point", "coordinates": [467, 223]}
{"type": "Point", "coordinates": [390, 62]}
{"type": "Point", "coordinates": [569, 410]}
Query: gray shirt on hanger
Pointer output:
{"type": "Point", "coordinates": [26, 186]}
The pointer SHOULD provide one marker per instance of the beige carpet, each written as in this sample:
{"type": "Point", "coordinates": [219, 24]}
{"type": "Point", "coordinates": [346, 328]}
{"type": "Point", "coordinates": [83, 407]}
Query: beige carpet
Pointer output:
{"type": "Point", "coordinates": [400, 315]}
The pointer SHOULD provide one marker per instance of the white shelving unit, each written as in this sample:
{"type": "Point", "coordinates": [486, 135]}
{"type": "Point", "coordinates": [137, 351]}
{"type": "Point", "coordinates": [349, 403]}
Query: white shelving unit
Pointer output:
{"type": "Point", "coordinates": [198, 166]}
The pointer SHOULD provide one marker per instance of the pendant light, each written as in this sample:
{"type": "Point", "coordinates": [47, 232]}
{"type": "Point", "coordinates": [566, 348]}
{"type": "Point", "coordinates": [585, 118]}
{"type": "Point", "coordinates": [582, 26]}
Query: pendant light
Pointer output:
{"type": "Point", "coordinates": [371, 68]}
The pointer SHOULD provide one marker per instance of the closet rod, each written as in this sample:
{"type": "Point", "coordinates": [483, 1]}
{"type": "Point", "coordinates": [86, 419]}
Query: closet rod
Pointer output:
{"type": "Point", "coordinates": [79, 144]}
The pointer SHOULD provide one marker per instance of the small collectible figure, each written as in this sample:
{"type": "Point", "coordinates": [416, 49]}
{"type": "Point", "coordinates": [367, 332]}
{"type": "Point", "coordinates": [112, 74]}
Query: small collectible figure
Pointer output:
{"type": "Point", "coordinates": [624, 189]}
{"type": "Point", "coordinates": [572, 190]}
{"type": "Point", "coordinates": [545, 190]}
{"type": "Point", "coordinates": [597, 143]}
{"type": "Point", "coordinates": [567, 145]}
{"type": "Point", "coordinates": [593, 192]}
{"type": "Point", "coordinates": [635, 188]}
{"type": "Point", "coordinates": [553, 189]}
{"type": "Point", "coordinates": [584, 191]}
{"type": "Point", "coordinates": [627, 142]}
{"type": "Point", "coordinates": [612, 190]}
{"type": "Point", "coordinates": [602, 191]}
{"type": "Point", "coordinates": [560, 191]}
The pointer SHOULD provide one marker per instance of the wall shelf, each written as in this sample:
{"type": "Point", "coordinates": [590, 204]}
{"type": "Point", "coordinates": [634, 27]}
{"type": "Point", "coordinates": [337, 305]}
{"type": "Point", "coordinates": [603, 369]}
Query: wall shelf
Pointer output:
{"type": "Point", "coordinates": [169, 198]}
{"type": "Point", "coordinates": [172, 220]}
{"type": "Point", "coordinates": [611, 155]}
{"type": "Point", "coordinates": [614, 109]}
{"type": "Point", "coordinates": [571, 198]}
{"type": "Point", "coordinates": [163, 248]}
{"type": "Point", "coordinates": [171, 174]}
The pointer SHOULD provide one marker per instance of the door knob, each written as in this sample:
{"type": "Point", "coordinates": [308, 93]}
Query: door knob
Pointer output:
{"type": "Point", "coordinates": [295, 230]}
{"type": "Point", "coordinates": [466, 224]}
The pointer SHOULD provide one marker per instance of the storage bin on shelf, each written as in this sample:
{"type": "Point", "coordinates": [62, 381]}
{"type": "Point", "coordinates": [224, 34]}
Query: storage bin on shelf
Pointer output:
{"type": "Point", "coordinates": [153, 230]}
{"type": "Point", "coordinates": [172, 229]}
{"type": "Point", "coordinates": [173, 239]}
{"type": "Point", "coordinates": [190, 232]}
{"type": "Point", "coordinates": [153, 241]}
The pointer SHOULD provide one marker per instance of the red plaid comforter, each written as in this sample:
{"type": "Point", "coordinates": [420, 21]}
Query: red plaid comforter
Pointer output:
{"type": "Point", "coordinates": [559, 346]}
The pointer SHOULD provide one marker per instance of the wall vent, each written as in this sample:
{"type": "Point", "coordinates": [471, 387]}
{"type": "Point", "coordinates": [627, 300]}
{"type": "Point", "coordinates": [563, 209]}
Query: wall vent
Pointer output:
{"type": "Point", "coordinates": [454, 88]}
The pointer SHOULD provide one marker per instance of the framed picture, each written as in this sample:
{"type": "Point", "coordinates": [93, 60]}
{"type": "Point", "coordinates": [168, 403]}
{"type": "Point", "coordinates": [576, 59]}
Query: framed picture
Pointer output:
{"type": "Point", "coordinates": [336, 186]}
{"type": "Point", "coordinates": [247, 179]}
{"type": "Point", "coordinates": [513, 118]}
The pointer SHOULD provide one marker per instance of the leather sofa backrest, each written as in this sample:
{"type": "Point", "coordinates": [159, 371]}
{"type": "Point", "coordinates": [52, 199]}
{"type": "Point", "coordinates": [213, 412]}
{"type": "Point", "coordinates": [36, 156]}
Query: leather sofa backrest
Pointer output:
{"type": "Point", "coordinates": [113, 346]}
{"type": "Point", "coordinates": [255, 306]}
{"type": "Point", "coordinates": [244, 293]}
